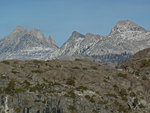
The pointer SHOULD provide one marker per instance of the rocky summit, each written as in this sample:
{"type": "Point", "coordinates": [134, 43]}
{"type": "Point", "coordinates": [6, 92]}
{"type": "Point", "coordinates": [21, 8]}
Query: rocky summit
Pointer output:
{"type": "Point", "coordinates": [124, 40]}
{"type": "Point", "coordinates": [24, 45]}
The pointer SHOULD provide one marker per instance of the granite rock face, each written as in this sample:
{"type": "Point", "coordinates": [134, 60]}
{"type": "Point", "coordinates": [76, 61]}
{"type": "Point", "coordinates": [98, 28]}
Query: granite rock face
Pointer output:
{"type": "Point", "coordinates": [24, 45]}
{"type": "Point", "coordinates": [124, 40]}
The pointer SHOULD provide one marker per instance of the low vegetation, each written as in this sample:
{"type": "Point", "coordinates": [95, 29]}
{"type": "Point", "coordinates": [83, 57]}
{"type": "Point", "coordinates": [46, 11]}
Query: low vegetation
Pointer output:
{"type": "Point", "coordinates": [70, 81]}
{"type": "Point", "coordinates": [5, 62]}
{"type": "Point", "coordinates": [81, 88]}
{"type": "Point", "coordinates": [77, 84]}
{"type": "Point", "coordinates": [37, 71]}
{"type": "Point", "coordinates": [145, 63]}
{"type": "Point", "coordinates": [123, 75]}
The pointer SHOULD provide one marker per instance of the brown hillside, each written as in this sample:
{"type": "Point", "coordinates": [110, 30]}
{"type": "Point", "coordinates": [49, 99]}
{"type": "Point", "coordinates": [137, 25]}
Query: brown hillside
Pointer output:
{"type": "Point", "coordinates": [70, 87]}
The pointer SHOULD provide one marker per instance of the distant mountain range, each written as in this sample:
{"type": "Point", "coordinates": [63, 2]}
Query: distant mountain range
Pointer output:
{"type": "Point", "coordinates": [125, 39]}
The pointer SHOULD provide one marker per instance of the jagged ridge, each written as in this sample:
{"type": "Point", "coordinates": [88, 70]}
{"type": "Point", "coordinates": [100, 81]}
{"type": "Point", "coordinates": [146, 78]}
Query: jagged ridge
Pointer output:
{"type": "Point", "coordinates": [124, 40]}
{"type": "Point", "coordinates": [21, 44]}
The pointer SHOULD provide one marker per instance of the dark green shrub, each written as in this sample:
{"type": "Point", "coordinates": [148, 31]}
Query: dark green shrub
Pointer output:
{"type": "Point", "coordinates": [84, 68]}
{"type": "Point", "coordinates": [94, 67]}
{"type": "Point", "coordinates": [91, 99]}
{"type": "Point", "coordinates": [4, 77]}
{"type": "Point", "coordinates": [51, 91]}
{"type": "Point", "coordinates": [26, 84]}
{"type": "Point", "coordinates": [132, 94]}
{"type": "Point", "coordinates": [45, 80]}
{"type": "Point", "coordinates": [38, 87]}
{"type": "Point", "coordinates": [56, 83]}
{"type": "Point", "coordinates": [81, 88]}
{"type": "Point", "coordinates": [144, 78]}
{"type": "Point", "coordinates": [10, 88]}
{"type": "Point", "coordinates": [37, 100]}
{"type": "Point", "coordinates": [136, 101]}
{"type": "Point", "coordinates": [130, 88]}
{"type": "Point", "coordinates": [33, 89]}
{"type": "Point", "coordinates": [112, 95]}
{"type": "Point", "coordinates": [70, 81]}
{"type": "Point", "coordinates": [123, 92]}
{"type": "Point", "coordinates": [95, 111]}
{"type": "Point", "coordinates": [58, 66]}
{"type": "Point", "coordinates": [105, 80]}
{"type": "Point", "coordinates": [87, 97]}
{"type": "Point", "coordinates": [145, 63]}
{"type": "Point", "coordinates": [116, 88]}
{"type": "Point", "coordinates": [124, 98]}
{"type": "Point", "coordinates": [19, 90]}
{"type": "Point", "coordinates": [77, 59]}
{"type": "Point", "coordinates": [14, 72]}
{"type": "Point", "coordinates": [117, 103]}
{"type": "Point", "coordinates": [107, 77]}
{"type": "Point", "coordinates": [17, 110]}
{"type": "Point", "coordinates": [76, 67]}
{"type": "Point", "coordinates": [1, 90]}
{"type": "Point", "coordinates": [102, 102]}
{"type": "Point", "coordinates": [5, 62]}
{"type": "Point", "coordinates": [141, 106]}
{"type": "Point", "coordinates": [106, 107]}
{"type": "Point", "coordinates": [37, 71]}
{"type": "Point", "coordinates": [71, 94]}
{"type": "Point", "coordinates": [122, 108]}
{"type": "Point", "coordinates": [71, 107]}
{"type": "Point", "coordinates": [122, 75]}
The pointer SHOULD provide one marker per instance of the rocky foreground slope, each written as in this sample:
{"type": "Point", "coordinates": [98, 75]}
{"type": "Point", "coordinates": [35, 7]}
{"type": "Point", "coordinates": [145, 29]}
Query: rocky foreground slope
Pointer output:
{"type": "Point", "coordinates": [139, 64]}
{"type": "Point", "coordinates": [70, 87]}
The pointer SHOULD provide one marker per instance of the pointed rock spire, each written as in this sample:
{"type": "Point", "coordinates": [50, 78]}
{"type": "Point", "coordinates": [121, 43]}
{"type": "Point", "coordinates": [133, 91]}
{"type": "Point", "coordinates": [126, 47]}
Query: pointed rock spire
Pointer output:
{"type": "Point", "coordinates": [52, 42]}
{"type": "Point", "coordinates": [77, 34]}
{"type": "Point", "coordinates": [19, 29]}
{"type": "Point", "coordinates": [37, 33]}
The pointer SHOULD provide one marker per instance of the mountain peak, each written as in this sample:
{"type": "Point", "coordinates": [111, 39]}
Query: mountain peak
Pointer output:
{"type": "Point", "coordinates": [19, 29]}
{"type": "Point", "coordinates": [126, 25]}
{"type": "Point", "coordinates": [90, 34]}
{"type": "Point", "coordinates": [77, 34]}
{"type": "Point", "coordinates": [37, 33]}
{"type": "Point", "coordinates": [52, 41]}
{"type": "Point", "coordinates": [34, 30]}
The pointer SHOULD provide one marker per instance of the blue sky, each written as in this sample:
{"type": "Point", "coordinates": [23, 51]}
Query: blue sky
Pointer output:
{"type": "Point", "coordinates": [59, 18]}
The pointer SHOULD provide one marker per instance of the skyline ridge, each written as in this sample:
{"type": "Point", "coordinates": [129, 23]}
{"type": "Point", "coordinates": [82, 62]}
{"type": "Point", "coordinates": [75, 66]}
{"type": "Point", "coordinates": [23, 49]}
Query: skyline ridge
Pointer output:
{"type": "Point", "coordinates": [59, 18]}
{"type": "Point", "coordinates": [22, 28]}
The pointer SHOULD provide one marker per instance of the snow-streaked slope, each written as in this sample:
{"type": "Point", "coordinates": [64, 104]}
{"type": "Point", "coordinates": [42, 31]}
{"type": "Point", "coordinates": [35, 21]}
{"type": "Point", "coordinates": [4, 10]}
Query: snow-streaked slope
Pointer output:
{"type": "Point", "coordinates": [24, 45]}
{"type": "Point", "coordinates": [125, 39]}
{"type": "Point", "coordinates": [78, 44]}
{"type": "Point", "coordinates": [126, 36]}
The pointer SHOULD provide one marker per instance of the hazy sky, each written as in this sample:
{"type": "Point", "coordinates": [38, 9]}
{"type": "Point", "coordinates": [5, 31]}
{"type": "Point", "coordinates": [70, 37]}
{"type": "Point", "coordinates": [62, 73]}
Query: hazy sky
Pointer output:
{"type": "Point", "coordinates": [60, 18]}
